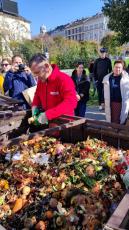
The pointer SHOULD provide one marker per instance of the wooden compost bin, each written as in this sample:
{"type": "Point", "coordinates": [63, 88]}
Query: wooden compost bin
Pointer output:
{"type": "Point", "coordinates": [74, 129]}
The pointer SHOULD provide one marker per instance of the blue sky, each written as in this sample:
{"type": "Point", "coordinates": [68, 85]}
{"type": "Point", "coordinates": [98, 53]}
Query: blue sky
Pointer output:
{"type": "Point", "coordinates": [56, 12]}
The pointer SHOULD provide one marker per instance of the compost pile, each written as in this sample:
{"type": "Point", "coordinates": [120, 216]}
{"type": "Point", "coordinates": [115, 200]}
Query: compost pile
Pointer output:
{"type": "Point", "coordinates": [45, 184]}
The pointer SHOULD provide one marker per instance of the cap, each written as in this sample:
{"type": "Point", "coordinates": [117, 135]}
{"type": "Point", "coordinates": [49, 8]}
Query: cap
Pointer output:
{"type": "Point", "coordinates": [103, 50]}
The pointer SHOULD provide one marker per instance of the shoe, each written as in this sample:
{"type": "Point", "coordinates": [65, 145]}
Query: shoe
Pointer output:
{"type": "Point", "coordinates": [100, 108]}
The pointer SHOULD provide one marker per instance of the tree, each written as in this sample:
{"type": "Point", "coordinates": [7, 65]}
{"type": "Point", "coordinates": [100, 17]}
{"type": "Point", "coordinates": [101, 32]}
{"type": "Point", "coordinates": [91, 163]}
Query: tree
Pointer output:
{"type": "Point", "coordinates": [118, 13]}
{"type": "Point", "coordinates": [29, 47]}
{"type": "Point", "coordinates": [89, 50]}
{"type": "Point", "coordinates": [68, 51]}
{"type": "Point", "coordinates": [111, 42]}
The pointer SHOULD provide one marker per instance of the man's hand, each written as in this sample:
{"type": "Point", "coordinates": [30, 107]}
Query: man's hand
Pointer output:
{"type": "Point", "coordinates": [42, 119]}
{"type": "Point", "coordinates": [38, 120]}
{"type": "Point", "coordinates": [35, 111]}
{"type": "Point", "coordinates": [78, 97]}
{"type": "Point", "coordinates": [27, 70]}
{"type": "Point", "coordinates": [81, 95]}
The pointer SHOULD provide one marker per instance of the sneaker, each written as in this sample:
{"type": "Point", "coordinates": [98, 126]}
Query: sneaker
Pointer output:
{"type": "Point", "coordinates": [100, 108]}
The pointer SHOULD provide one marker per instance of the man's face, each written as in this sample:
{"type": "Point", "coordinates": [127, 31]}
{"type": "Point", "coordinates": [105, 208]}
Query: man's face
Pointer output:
{"type": "Point", "coordinates": [118, 68]}
{"type": "Point", "coordinates": [17, 61]}
{"type": "Point", "coordinates": [102, 54]}
{"type": "Point", "coordinates": [41, 70]}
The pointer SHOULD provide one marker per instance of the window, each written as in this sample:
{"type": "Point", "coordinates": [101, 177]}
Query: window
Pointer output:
{"type": "Point", "coordinates": [91, 27]}
{"type": "Point", "coordinates": [72, 31]}
{"type": "Point", "coordinates": [96, 26]}
{"type": "Point", "coordinates": [86, 28]}
{"type": "Point", "coordinates": [82, 37]}
{"type": "Point", "coordinates": [79, 37]}
{"type": "Point", "coordinates": [101, 25]}
{"type": "Point", "coordinates": [96, 36]}
{"type": "Point", "coordinates": [69, 32]}
{"type": "Point", "coordinates": [91, 36]}
{"type": "Point", "coordinates": [79, 29]}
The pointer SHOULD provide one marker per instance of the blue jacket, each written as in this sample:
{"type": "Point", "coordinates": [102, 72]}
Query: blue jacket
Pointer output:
{"type": "Point", "coordinates": [16, 82]}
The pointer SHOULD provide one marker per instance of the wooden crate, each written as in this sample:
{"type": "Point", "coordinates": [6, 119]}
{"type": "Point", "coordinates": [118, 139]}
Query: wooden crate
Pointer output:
{"type": "Point", "coordinates": [120, 218]}
{"type": "Point", "coordinates": [73, 129]}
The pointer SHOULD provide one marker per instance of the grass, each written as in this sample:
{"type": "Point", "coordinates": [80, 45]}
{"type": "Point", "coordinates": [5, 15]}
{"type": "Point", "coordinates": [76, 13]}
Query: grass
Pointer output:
{"type": "Point", "coordinates": [93, 100]}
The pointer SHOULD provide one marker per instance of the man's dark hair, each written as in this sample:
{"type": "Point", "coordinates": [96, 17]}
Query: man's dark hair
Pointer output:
{"type": "Point", "coordinates": [37, 58]}
{"type": "Point", "coordinates": [17, 55]}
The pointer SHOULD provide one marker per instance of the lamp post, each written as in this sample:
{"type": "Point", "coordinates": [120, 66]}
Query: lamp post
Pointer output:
{"type": "Point", "coordinates": [43, 31]}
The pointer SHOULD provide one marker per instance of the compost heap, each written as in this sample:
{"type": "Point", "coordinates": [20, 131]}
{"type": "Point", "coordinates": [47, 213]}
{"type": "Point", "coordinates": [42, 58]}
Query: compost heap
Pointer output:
{"type": "Point", "coordinates": [45, 184]}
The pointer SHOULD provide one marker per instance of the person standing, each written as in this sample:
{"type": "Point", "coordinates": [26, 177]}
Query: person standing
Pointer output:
{"type": "Point", "coordinates": [17, 79]}
{"type": "Point", "coordinates": [82, 89]}
{"type": "Point", "coordinates": [5, 66]}
{"type": "Point", "coordinates": [55, 94]}
{"type": "Point", "coordinates": [116, 94]}
{"type": "Point", "coordinates": [91, 75]}
{"type": "Point", "coordinates": [102, 67]}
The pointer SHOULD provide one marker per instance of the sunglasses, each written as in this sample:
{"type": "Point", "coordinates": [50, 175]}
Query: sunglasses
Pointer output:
{"type": "Point", "coordinates": [5, 64]}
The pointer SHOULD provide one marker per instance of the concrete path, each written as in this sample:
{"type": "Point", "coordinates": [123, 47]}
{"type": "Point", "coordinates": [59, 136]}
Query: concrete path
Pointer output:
{"type": "Point", "coordinates": [93, 112]}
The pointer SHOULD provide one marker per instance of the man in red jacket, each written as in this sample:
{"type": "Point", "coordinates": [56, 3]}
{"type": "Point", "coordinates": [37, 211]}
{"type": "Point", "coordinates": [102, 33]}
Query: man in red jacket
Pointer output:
{"type": "Point", "coordinates": [55, 92]}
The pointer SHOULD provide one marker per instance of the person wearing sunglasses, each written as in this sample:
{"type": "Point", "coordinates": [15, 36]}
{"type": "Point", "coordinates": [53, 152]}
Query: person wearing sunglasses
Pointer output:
{"type": "Point", "coordinates": [5, 66]}
{"type": "Point", "coordinates": [18, 79]}
{"type": "Point", "coordinates": [55, 93]}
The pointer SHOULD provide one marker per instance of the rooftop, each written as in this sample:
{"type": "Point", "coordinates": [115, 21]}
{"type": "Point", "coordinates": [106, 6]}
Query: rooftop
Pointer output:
{"type": "Point", "coordinates": [15, 17]}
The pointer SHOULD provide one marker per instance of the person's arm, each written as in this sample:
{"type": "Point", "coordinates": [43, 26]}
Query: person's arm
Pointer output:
{"type": "Point", "coordinates": [36, 101]}
{"type": "Point", "coordinates": [30, 80]}
{"type": "Point", "coordinates": [110, 66]}
{"type": "Point", "coordinates": [69, 100]}
{"type": "Point", "coordinates": [95, 71]}
{"type": "Point", "coordinates": [85, 91]}
{"type": "Point", "coordinates": [7, 82]}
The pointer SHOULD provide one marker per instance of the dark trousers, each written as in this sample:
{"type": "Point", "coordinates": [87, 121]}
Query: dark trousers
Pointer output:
{"type": "Point", "coordinates": [81, 109]}
{"type": "Point", "coordinates": [100, 91]}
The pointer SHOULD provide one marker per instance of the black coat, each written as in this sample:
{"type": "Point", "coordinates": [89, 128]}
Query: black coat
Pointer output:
{"type": "Point", "coordinates": [82, 87]}
{"type": "Point", "coordinates": [101, 68]}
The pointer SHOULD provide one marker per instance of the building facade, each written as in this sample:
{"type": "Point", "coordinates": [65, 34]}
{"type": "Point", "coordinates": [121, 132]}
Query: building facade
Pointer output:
{"type": "Point", "coordinates": [58, 31]}
{"type": "Point", "coordinates": [14, 27]}
{"type": "Point", "coordinates": [87, 29]}
{"type": "Point", "coordinates": [96, 27]}
{"type": "Point", "coordinates": [75, 30]}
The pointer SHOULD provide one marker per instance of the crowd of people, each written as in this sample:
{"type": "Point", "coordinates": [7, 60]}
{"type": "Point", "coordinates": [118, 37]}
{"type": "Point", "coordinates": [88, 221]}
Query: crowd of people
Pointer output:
{"type": "Point", "coordinates": [56, 93]}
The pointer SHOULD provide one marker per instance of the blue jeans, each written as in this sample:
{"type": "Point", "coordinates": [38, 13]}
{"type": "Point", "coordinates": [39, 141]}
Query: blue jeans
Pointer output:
{"type": "Point", "coordinates": [81, 109]}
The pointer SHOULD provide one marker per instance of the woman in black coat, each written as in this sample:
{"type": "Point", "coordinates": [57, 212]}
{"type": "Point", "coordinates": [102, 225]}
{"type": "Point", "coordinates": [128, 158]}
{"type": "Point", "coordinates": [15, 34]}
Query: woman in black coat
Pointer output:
{"type": "Point", "coordinates": [82, 88]}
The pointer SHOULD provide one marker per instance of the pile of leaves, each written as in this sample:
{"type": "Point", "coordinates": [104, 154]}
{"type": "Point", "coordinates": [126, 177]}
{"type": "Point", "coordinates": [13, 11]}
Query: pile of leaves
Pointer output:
{"type": "Point", "coordinates": [45, 184]}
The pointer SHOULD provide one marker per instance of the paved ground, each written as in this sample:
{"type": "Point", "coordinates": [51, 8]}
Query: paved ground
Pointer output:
{"type": "Point", "coordinates": [94, 113]}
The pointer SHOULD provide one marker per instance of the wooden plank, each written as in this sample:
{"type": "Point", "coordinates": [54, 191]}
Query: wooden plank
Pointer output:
{"type": "Point", "coordinates": [119, 214]}
{"type": "Point", "coordinates": [107, 124]}
{"type": "Point", "coordinates": [49, 130]}
{"type": "Point", "coordinates": [9, 99]}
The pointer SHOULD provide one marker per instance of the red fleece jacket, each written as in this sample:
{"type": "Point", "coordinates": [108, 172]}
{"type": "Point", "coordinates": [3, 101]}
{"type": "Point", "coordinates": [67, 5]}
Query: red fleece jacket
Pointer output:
{"type": "Point", "coordinates": [57, 96]}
